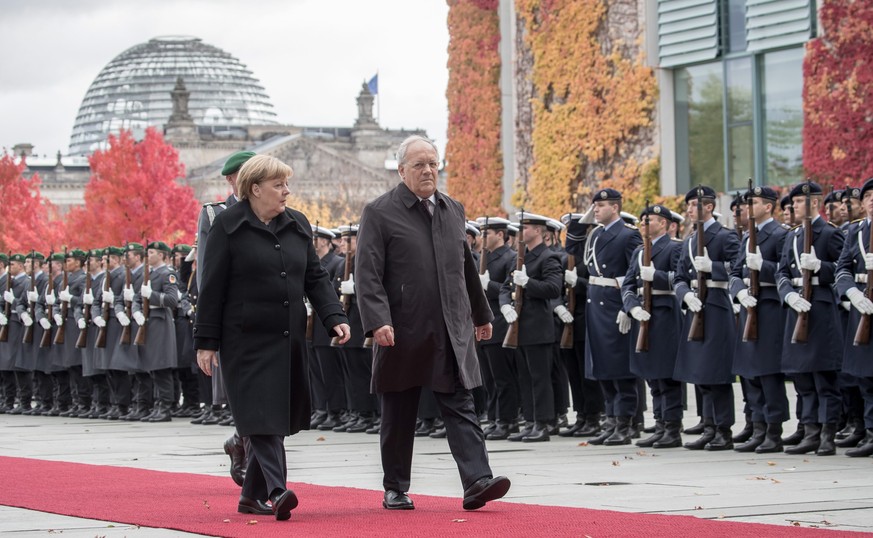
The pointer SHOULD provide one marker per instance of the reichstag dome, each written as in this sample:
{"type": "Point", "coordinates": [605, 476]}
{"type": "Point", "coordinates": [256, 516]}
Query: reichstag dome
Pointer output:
{"type": "Point", "coordinates": [133, 92]}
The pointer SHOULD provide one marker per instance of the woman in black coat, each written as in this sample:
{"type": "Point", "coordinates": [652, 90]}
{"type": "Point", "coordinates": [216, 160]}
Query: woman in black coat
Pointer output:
{"type": "Point", "coordinates": [259, 264]}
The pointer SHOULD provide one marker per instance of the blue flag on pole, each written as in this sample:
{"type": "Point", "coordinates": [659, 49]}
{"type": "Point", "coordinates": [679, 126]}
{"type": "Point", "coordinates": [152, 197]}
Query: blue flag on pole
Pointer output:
{"type": "Point", "coordinates": [373, 85]}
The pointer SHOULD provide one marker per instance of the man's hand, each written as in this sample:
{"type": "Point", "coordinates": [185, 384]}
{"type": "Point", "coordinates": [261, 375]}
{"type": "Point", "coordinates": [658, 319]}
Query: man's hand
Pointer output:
{"type": "Point", "coordinates": [8, 296]}
{"type": "Point", "coordinates": [81, 323]}
{"type": "Point", "coordinates": [859, 301]}
{"type": "Point", "coordinates": [745, 299]}
{"type": "Point", "coordinates": [485, 278]}
{"type": "Point", "coordinates": [50, 298]}
{"type": "Point", "coordinates": [308, 308]}
{"type": "Point", "coordinates": [58, 320]}
{"type": "Point", "coordinates": [206, 359]}
{"type": "Point", "coordinates": [88, 297]}
{"type": "Point", "coordinates": [108, 296]}
{"type": "Point", "coordinates": [128, 293]}
{"type": "Point", "coordinates": [519, 276]}
{"type": "Point", "coordinates": [692, 302]}
{"type": "Point", "coordinates": [754, 260]}
{"type": "Point", "coordinates": [647, 272]}
{"type": "Point", "coordinates": [639, 314]}
{"type": "Point", "coordinates": [32, 296]}
{"type": "Point", "coordinates": [343, 331]}
{"type": "Point", "coordinates": [509, 313]}
{"type": "Point", "coordinates": [563, 314]}
{"type": "Point", "coordinates": [146, 290]}
{"type": "Point", "coordinates": [798, 303]}
{"type": "Point", "coordinates": [3, 319]}
{"type": "Point", "coordinates": [588, 216]}
{"type": "Point", "coordinates": [26, 319]}
{"type": "Point", "coordinates": [122, 319]}
{"type": "Point", "coordinates": [624, 322]}
{"type": "Point", "coordinates": [65, 295]}
{"type": "Point", "coordinates": [347, 287]}
{"type": "Point", "coordinates": [99, 321]}
{"type": "Point", "coordinates": [703, 264]}
{"type": "Point", "coordinates": [384, 336]}
{"type": "Point", "coordinates": [45, 324]}
{"type": "Point", "coordinates": [868, 261]}
{"type": "Point", "coordinates": [571, 277]}
{"type": "Point", "coordinates": [483, 332]}
{"type": "Point", "coordinates": [810, 262]}
{"type": "Point", "coordinates": [139, 318]}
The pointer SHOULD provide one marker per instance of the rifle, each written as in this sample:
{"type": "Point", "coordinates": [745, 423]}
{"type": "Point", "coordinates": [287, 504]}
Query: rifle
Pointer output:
{"type": "Point", "coordinates": [738, 212]}
{"type": "Point", "coordinates": [46, 340]}
{"type": "Point", "coordinates": [310, 318]}
{"type": "Point", "coordinates": [82, 341]}
{"type": "Point", "coordinates": [511, 339]}
{"type": "Point", "coordinates": [59, 336]}
{"type": "Point", "coordinates": [643, 334]}
{"type": "Point", "coordinates": [830, 208]}
{"type": "Point", "coordinates": [695, 334]}
{"type": "Point", "coordinates": [801, 327]}
{"type": "Point", "coordinates": [101, 334]}
{"type": "Point", "coordinates": [141, 333]}
{"type": "Point", "coordinates": [862, 334]}
{"type": "Point", "coordinates": [346, 300]}
{"type": "Point", "coordinates": [483, 252]}
{"type": "Point", "coordinates": [7, 306]}
{"type": "Point", "coordinates": [125, 331]}
{"type": "Point", "coordinates": [750, 330]}
{"type": "Point", "coordinates": [28, 331]}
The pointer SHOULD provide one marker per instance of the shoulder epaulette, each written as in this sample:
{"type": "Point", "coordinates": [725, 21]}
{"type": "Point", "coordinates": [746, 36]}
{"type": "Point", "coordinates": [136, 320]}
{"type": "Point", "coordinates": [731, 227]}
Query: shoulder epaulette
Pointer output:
{"type": "Point", "coordinates": [676, 239]}
{"type": "Point", "coordinates": [213, 204]}
{"type": "Point", "coordinates": [856, 221]}
{"type": "Point", "coordinates": [834, 225]}
{"type": "Point", "coordinates": [631, 226]}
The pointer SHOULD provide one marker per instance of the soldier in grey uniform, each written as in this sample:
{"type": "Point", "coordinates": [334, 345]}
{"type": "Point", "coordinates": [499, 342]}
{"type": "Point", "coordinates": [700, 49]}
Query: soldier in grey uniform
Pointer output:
{"type": "Point", "coordinates": [90, 368]}
{"type": "Point", "coordinates": [50, 359]}
{"type": "Point", "coordinates": [158, 353]}
{"type": "Point", "coordinates": [142, 396]}
{"type": "Point", "coordinates": [116, 359]}
{"type": "Point", "coordinates": [71, 356]}
{"type": "Point", "coordinates": [15, 359]}
{"type": "Point", "coordinates": [42, 381]}
{"type": "Point", "coordinates": [185, 376]}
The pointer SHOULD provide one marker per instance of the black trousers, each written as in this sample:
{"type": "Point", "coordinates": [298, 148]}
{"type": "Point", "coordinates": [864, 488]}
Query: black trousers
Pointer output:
{"type": "Point", "coordinates": [501, 363]}
{"type": "Point", "coordinates": [767, 398]}
{"type": "Point", "coordinates": [330, 367]}
{"type": "Point", "coordinates": [162, 380]}
{"type": "Point", "coordinates": [865, 385]}
{"type": "Point", "coordinates": [657, 404]}
{"type": "Point", "coordinates": [397, 435]}
{"type": "Point", "coordinates": [428, 408]}
{"type": "Point", "coordinates": [538, 369]}
{"type": "Point", "coordinates": [205, 384]}
{"type": "Point", "coordinates": [850, 390]}
{"type": "Point", "coordinates": [61, 388]}
{"type": "Point", "coordinates": [24, 381]}
{"type": "Point", "coordinates": [185, 385]}
{"type": "Point", "coordinates": [143, 389]}
{"type": "Point", "coordinates": [81, 386]}
{"type": "Point", "coordinates": [667, 399]}
{"type": "Point", "coordinates": [119, 387]}
{"type": "Point", "coordinates": [718, 404]}
{"type": "Point", "coordinates": [820, 397]}
{"type": "Point", "coordinates": [621, 397]}
{"type": "Point", "coordinates": [267, 469]}
{"type": "Point", "coordinates": [560, 382]}
{"type": "Point", "coordinates": [7, 387]}
{"type": "Point", "coordinates": [586, 392]}
{"type": "Point", "coordinates": [43, 387]}
{"type": "Point", "coordinates": [358, 370]}
{"type": "Point", "coordinates": [99, 389]}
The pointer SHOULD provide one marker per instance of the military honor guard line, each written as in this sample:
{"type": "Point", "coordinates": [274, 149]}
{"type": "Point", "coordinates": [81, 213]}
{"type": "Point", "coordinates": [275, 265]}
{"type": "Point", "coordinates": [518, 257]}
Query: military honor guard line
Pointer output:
{"type": "Point", "coordinates": [624, 305]}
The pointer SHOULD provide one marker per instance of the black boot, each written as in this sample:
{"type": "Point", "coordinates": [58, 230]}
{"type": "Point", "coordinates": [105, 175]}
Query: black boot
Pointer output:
{"type": "Point", "coordinates": [364, 422]}
{"type": "Point", "coordinates": [746, 433]}
{"type": "Point", "coordinates": [591, 428]}
{"type": "Point", "coordinates": [721, 441]}
{"type": "Point", "coordinates": [855, 436]}
{"type": "Point", "coordinates": [317, 418]}
{"type": "Point", "coordinates": [577, 426]}
{"type": "Point", "coordinates": [759, 432]}
{"type": "Point", "coordinates": [864, 449]}
{"type": "Point", "coordinates": [795, 437]}
{"type": "Point", "coordinates": [826, 445]}
{"type": "Point", "coordinates": [539, 433]}
{"type": "Point", "coordinates": [500, 431]}
{"type": "Point", "coordinates": [161, 414]}
{"type": "Point", "coordinates": [607, 429]}
{"type": "Point", "coordinates": [811, 440]}
{"type": "Point", "coordinates": [622, 433]}
{"type": "Point", "coordinates": [671, 438]}
{"type": "Point", "coordinates": [425, 427]}
{"type": "Point", "coordinates": [524, 432]}
{"type": "Point", "coordinates": [772, 440]}
{"type": "Point", "coordinates": [697, 429]}
{"type": "Point", "coordinates": [657, 434]}
{"type": "Point", "coordinates": [704, 439]}
{"type": "Point", "coordinates": [330, 422]}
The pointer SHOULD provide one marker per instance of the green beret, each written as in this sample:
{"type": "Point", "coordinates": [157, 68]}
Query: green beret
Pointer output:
{"type": "Point", "coordinates": [37, 256]}
{"type": "Point", "coordinates": [57, 257]}
{"type": "Point", "coordinates": [17, 258]}
{"type": "Point", "coordinates": [113, 251]}
{"type": "Point", "coordinates": [4, 258]}
{"type": "Point", "coordinates": [95, 253]}
{"type": "Point", "coordinates": [77, 253]}
{"type": "Point", "coordinates": [133, 247]}
{"type": "Point", "coordinates": [182, 248]}
{"type": "Point", "coordinates": [160, 245]}
{"type": "Point", "coordinates": [236, 161]}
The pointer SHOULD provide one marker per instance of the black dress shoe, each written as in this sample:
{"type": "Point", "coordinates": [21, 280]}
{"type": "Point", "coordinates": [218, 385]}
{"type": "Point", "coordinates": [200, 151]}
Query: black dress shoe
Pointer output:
{"type": "Point", "coordinates": [252, 506]}
{"type": "Point", "coordinates": [235, 448]}
{"type": "Point", "coordinates": [425, 427]}
{"type": "Point", "coordinates": [864, 449]}
{"type": "Point", "coordinates": [438, 434]}
{"type": "Point", "coordinates": [283, 503]}
{"type": "Point", "coordinates": [697, 429]}
{"type": "Point", "coordinates": [499, 433]}
{"type": "Point", "coordinates": [539, 433]}
{"type": "Point", "coordinates": [701, 442]}
{"type": "Point", "coordinates": [395, 500]}
{"type": "Point", "coordinates": [572, 429]}
{"type": "Point", "coordinates": [483, 490]}
{"type": "Point", "coordinates": [722, 440]}
{"type": "Point", "coordinates": [796, 437]}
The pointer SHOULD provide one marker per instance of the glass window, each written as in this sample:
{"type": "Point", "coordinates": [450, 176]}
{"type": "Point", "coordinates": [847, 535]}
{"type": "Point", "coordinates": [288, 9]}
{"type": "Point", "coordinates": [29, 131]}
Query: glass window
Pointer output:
{"type": "Point", "coordinates": [736, 25]}
{"type": "Point", "coordinates": [782, 110]}
{"type": "Point", "coordinates": [699, 107]}
{"type": "Point", "coordinates": [741, 140]}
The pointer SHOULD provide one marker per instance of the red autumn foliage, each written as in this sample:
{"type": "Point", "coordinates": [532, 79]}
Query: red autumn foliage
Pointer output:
{"type": "Point", "coordinates": [28, 221]}
{"type": "Point", "coordinates": [134, 195]}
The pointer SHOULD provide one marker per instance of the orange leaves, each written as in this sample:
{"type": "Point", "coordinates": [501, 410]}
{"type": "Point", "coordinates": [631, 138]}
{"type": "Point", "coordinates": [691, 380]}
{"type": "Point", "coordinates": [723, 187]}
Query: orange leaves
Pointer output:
{"type": "Point", "coordinates": [29, 221]}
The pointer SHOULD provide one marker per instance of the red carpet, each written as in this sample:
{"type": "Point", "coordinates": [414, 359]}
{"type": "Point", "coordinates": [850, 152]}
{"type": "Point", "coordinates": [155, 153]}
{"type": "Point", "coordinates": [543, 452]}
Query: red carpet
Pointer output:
{"type": "Point", "coordinates": [207, 505]}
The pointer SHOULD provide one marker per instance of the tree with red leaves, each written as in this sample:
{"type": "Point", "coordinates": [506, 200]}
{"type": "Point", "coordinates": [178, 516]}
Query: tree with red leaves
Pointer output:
{"type": "Point", "coordinates": [134, 195]}
{"type": "Point", "coordinates": [28, 221]}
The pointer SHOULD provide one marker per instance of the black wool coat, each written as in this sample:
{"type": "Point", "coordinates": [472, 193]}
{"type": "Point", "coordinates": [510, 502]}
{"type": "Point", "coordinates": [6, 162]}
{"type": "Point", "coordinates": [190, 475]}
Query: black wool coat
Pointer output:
{"type": "Point", "coordinates": [251, 309]}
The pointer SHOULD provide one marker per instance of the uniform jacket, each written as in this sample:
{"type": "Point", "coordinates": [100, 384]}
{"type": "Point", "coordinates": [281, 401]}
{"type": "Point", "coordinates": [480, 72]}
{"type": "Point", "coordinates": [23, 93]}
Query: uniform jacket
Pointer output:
{"type": "Point", "coordinates": [856, 359]}
{"type": "Point", "coordinates": [535, 321]}
{"type": "Point", "coordinates": [12, 352]}
{"type": "Point", "coordinates": [501, 264]}
{"type": "Point", "coordinates": [159, 351]}
{"type": "Point", "coordinates": [204, 223]}
{"type": "Point", "coordinates": [335, 267]}
{"type": "Point", "coordinates": [70, 355]}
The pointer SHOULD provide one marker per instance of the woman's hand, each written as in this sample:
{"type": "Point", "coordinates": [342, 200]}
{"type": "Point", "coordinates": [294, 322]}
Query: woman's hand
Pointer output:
{"type": "Point", "coordinates": [207, 358]}
{"type": "Point", "coordinates": [343, 332]}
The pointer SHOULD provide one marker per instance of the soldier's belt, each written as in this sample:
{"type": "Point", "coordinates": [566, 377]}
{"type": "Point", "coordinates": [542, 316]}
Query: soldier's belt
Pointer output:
{"type": "Point", "coordinates": [720, 284]}
{"type": "Point", "coordinates": [747, 282]}
{"type": "Point", "coordinates": [861, 278]}
{"type": "Point", "coordinates": [798, 282]}
{"type": "Point", "coordinates": [605, 282]}
{"type": "Point", "coordinates": [657, 292]}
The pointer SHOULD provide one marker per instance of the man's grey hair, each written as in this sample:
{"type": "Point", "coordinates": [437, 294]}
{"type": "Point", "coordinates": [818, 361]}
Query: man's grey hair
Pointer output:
{"type": "Point", "coordinates": [404, 146]}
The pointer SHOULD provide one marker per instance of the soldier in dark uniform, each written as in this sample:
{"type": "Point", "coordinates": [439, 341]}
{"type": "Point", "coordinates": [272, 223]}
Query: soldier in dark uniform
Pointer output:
{"type": "Point", "coordinates": [707, 363]}
{"type": "Point", "coordinates": [787, 212]}
{"type": "Point", "coordinates": [71, 357]}
{"type": "Point", "coordinates": [42, 385]}
{"type": "Point", "coordinates": [51, 362]}
{"type": "Point", "coordinates": [656, 364]}
{"type": "Point", "coordinates": [759, 361]}
{"type": "Point", "coordinates": [184, 375]}
{"type": "Point", "coordinates": [95, 372]}
{"type": "Point", "coordinates": [15, 360]}
{"type": "Point", "coordinates": [562, 317]}
{"type": "Point", "coordinates": [812, 364]}
{"type": "Point", "coordinates": [607, 255]}
{"type": "Point", "coordinates": [142, 390]}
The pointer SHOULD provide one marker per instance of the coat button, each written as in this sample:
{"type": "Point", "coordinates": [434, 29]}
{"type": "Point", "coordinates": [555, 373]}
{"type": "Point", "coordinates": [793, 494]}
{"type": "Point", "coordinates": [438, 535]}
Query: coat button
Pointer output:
{"type": "Point", "coordinates": [283, 274]}
{"type": "Point", "coordinates": [285, 304]}
{"type": "Point", "coordinates": [286, 333]}
{"type": "Point", "coordinates": [277, 247]}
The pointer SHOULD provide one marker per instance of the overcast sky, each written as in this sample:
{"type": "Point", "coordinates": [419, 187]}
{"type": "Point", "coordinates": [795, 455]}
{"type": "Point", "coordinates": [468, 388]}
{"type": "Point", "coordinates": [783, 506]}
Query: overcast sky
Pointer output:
{"type": "Point", "coordinates": [310, 55]}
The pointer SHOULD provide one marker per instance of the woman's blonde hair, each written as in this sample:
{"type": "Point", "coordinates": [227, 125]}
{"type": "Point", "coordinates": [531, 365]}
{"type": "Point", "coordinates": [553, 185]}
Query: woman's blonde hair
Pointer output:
{"type": "Point", "coordinates": [258, 169]}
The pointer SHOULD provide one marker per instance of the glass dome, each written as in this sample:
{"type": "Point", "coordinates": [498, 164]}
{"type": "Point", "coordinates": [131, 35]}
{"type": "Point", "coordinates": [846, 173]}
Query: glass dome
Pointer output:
{"type": "Point", "coordinates": [133, 91]}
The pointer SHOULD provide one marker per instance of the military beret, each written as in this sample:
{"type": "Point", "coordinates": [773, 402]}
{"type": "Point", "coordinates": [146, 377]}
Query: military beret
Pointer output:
{"type": "Point", "coordinates": [76, 253]}
{"type": "Point", "coordinates": [17, 258]}
{"type": "Point", "coordinates": [4, 258]}
{"type": "Point", "coordinates": [492, 223]}
{"type": "Point", "coordinates": [677, 218]}
{"type": "Point", "coordinates": [831, 197]}
{"type": "Point", "coordinates": [322, 232]}
{"type": "Point", "coordinates": [472, 228]}
{"type": "Point", "coordinates": [868, 185]}
{"type": "Point", "coordinates": [740, 198]}
{"type": "Point", "coordinates": [554, 225]}
{"type": "Point", "coordinates": [161, 246]}
{"type": "Point", "coordinates": [609, 195]}
{"type": "Point", "coordinates": [57, 257]}
{"type": "Point", "coordinates": [348, 229]}
{"type": "Point", "coordinates": [802, 188]}
{"type": "Point", "coordinates": [629, 218]}
{"type": "Point", "coordinates": [233, 164]}
{"type": "Point", "coordinates": [762, 192]}
{"type": "Point", "coordinates": [181, 248]}
{"type": "Point", "coordinates": [658, 210]}
{"type": "Point", "coordinates": [113, 251]}
{"type": "Point", "coordinates": [96, 253]}
{"type": "Point", "coordinates": [531, 218]}
{"type": "Point", "coordinates": [707, 193]}
{"type": "Point", "coordinates": [784, 202]}
{"type": "Point", "coordinates": [854, 192]}
{"type": "Point", "coordinates": [37, 256]}
{"type": "Point", "coordinates": [131, 247]}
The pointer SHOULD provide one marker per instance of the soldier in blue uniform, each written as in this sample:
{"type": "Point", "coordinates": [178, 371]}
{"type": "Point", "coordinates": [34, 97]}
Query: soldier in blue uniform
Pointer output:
{"type": "Point", "coordinates": [707, 362]}
{"type": "Point", "coordinates": [562, 318]}
{"type": "Point", "coordinates": [664, 319]}
{"type": "Point", "coordinates": [812, 364]}
{"type": "Point", "coordinates": [759, 361]}
{"type": "Point", "coordinates": [607, 256]}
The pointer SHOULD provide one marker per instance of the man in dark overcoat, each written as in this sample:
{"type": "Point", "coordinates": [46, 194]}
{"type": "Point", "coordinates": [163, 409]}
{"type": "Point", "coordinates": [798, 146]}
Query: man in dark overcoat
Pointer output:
{"type": "Point", "coordinates": [420, 297]}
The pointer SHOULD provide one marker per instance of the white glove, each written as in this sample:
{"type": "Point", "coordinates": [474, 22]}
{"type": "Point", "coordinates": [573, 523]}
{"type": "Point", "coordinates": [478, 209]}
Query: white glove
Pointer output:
{"type": "Point", "coordinates": [485, 278]}
{"type": "Point", "coordinates": [846, 306]}
{"type": "Point", "coordinates": [639, 314]}
{"type": "Point", "coordinates": [139, 318]}
{"type": "Point", "coordinates": [509, 313]}
{"type": "Point", "coordinates": [108, 297]}
{"type": "Point", "coordinates": [26, 319]}
{"type": "Point", "coordinates": [45, 324]}
{"type": "Point", "coordinates": [128, 293]}
{"type": "Point", "coordinates": [3, 320]}
{"type": "Point", "coordinates": [588, 216]}
{"type": "Point", "coordinates": [65, 295]}
{"type": "Point", "coordinates": [810, 261]}
{"type": "Point", "coordinates": [32, 296]}
{"type": "Point", "coordinates": [798, 303]}
{"type": "Point", "coordinates": [754, 260]}
{"type": "Point", "coordinates": [692, 302]}
{"type": "Point", "coordinates": [859, 301]}
{"type": "Point", "coordinates": [868, 261]}
{"type": "Point", "coordinates": [146, 290]}
{"type": "Point", "coordinates": [179, 294]}
{"type": "Point", "coordinates": [519, 276]}
{"type": "Point", "coordinates": [745, 299]}
{"type": "Point", "coordinates": [8, 296]}
{"type": "Point", "coordinates": [58, 320]}
{"type": "Point", "coordinates": [99, 321]}
{"type": "Point", "coordinates": [563, 314]}
{"type": "Point", "coordinates": [308, 308]}
{"type": "Point", "coordinates": [122, 319]}
{"type": "Point", "coordinates": [736, 308]}
{"type": "Point", "coordinates": [50, 298]}
{"type": "Point", "coordinates": [702, 264]}
{"type": "Point", "coordinates": [571, 277]}
{"type": "Point", "coordinates": [88, 297]}
{"type": "Point", "coordinates": [624, 322]}
{"type": "Point", "coordinates": [347, 287]}
{"type": "Point", "coordinates": [647, 272]}
{"type": "Point", "coordinates": [81, 323]}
